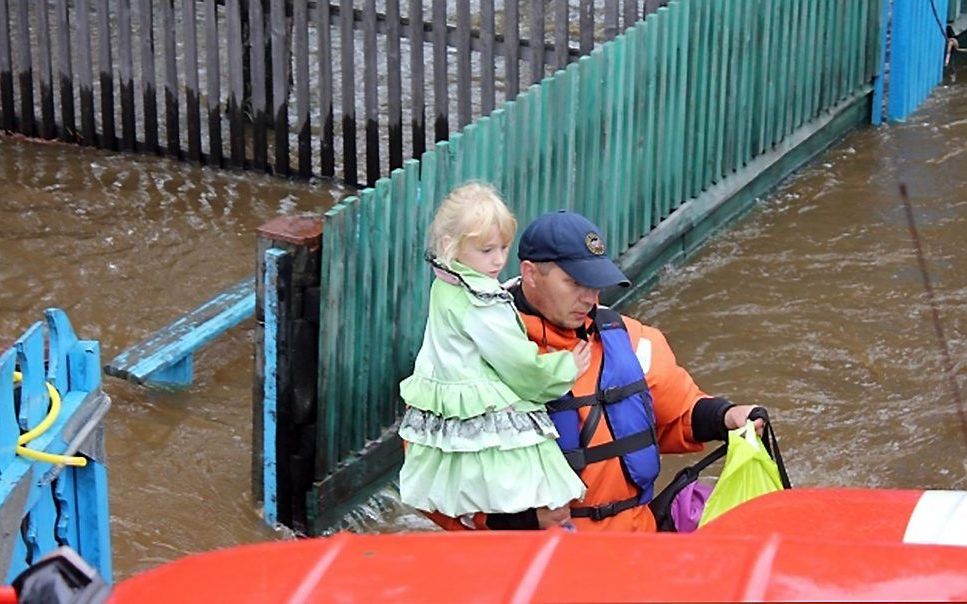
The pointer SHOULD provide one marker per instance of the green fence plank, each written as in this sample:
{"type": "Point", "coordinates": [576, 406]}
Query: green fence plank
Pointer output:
{"type": "Point", "coordinates": [532, 157]}
{"type": "Point", "coordinates": [554, 100]}
{"type": "Point", "coordinates": [511, 158]}
{"type": "Point", "coordinates": [594, 73]}
{"type": "Point", "coordinates": [520, 200]}
{"type": "Point", "coordinates": [627, 129]}
{"type": "Point", "coordinates": [715, 84]}
{"type": "Point", "coordinates": [545, 147]}
{"type": "Point", "coordinates": [486, 158]}
{"type": "Point", "coordinates": [456, 153]}
{"type": "Point", "coordinates": [862, 75]}
{"type": "Point", "coordinates": [649, 217]}
{"type": "Point", "coordinates": [683, 16]}
{"type": "Point", "coordinates": [695, 124]}
{"type": "Point", "coordinates": [638, 99]}
{"type": "Point", "coordinates": [743, 152]}
{"type": "Point", "coordinates": [629, 147]}
{"type": "Point", "coordinates": [771, 66]}
{"type": "Point", "coordinates": [856, 48]}
{"type": "Point", "coordinates": [412, 305]}
{"type": "Point", "coordinates": [608, 191]}
{"type": "Point", "coordinates": [384, 239]}
{"type": "Point", "coordinates": [690, 101]}
{"type": "Point", "coordinates": [572, 86]}
{"type": "Point", "coordinates": [723, 88]}
{"type": "Point", "coordinates": [331, 294]}
{"type": "Point", "coordinates": [731, 125]}
{"type": "Point", "coordinates": [346, 365]}
{"type": "Point", "coordinates": [795, 68]}
{"type": "Point", "coordinates": [662, 135]}
{"type": "Point", "coordinates": [444, 172]}
{"type": "Point", "coordinates": [428, 203]}
{"type": "Point", "coordinates": [805, 93]}
{"type": "Point", "coordinates": [786, 74]}
{"type": "Point", "coordinates": [824, 44]}
{"type": "Point", "coordinates": [761, 76]}
{"type": "Point", "coordinates": [364, 306]}
{"type": "Point", "coordinates": [498, 126]}
{"type": "Point", "coordinates": [727, 105]}
{"type": "Point", "coordinates": [839, 47]}
{"type": "Point", "coordinates": [582, 120]}
{"type": "Point", "coordinates": [809, 109]}
{"type": "Point", "coordinates": [802, 48]}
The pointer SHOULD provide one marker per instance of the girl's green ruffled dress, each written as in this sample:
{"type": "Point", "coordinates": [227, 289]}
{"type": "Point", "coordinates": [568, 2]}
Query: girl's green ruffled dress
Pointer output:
{"type": "Point", "coordinates": [480, 439]}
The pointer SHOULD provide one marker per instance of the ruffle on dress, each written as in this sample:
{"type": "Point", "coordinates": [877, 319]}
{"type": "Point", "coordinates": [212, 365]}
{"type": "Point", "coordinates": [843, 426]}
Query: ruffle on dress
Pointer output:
{"type": "Point", "coordinates": [461, 399]}
{"type": "Point", "coordinates": [491, 480]}
{"type": "Point", "coordinates": [505, 429]}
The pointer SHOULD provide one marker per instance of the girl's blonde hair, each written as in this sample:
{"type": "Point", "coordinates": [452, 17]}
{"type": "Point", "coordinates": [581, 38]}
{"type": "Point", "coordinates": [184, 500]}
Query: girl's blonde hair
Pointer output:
{"type": "Point", "coordinates": [470, 211]}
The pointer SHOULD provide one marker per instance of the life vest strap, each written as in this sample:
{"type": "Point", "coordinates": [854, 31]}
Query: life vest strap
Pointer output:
{"type": "Point", "coordinates": [580, 458]}
{"type": "Point", "coordinates": [607, 510]}
{"type": "Point", "coordinates": [607, 396]}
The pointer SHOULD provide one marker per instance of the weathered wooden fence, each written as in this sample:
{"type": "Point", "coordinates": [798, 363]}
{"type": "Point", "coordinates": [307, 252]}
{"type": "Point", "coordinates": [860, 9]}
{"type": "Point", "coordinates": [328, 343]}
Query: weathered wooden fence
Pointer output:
{"type": "Point", "coordinates": [51, 411]}
{"type": "Point", "coordinates": [659, 136]}
{"type": "Point", "coordinates": [286, 86]}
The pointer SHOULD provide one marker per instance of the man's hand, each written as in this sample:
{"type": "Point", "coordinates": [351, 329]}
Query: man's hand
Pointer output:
{"type": "Point", "coordinates": [582, 356]}
{"type": "Point", "coordinates": [547, 517]}
{"type": "Point", "coordinates": [735, 418]}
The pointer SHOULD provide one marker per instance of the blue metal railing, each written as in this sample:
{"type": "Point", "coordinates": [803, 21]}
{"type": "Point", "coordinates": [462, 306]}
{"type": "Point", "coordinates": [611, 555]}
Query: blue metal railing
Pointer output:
{"type": "Point", "coordinates": [44, 503]}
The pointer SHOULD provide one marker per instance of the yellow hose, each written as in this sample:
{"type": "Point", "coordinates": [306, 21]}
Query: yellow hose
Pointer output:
{"type": "Point", "coordinates": [40, 428]}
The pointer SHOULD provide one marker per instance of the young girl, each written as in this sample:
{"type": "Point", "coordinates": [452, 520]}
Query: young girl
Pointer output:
{"type": "Point", "coordinates": [480, 439]}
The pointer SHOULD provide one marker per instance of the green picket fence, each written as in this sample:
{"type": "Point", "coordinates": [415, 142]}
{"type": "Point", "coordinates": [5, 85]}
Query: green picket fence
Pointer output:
{"type": "Point", "coordinates": [626, 135]}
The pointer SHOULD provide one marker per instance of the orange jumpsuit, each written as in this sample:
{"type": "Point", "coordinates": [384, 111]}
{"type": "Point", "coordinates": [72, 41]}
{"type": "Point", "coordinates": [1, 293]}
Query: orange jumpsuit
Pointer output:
{"type": "Point", "coordinates": [674, 393]}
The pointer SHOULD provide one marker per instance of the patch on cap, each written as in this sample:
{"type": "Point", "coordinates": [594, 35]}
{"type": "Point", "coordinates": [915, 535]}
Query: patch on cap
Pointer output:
{"type": "Point", "coordinates": [594, 244]}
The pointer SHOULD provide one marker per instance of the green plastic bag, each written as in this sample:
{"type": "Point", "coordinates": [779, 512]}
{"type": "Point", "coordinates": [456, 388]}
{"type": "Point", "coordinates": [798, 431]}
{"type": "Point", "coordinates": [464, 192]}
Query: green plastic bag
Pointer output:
{"type": "Point", "coordinates": [749, 471]}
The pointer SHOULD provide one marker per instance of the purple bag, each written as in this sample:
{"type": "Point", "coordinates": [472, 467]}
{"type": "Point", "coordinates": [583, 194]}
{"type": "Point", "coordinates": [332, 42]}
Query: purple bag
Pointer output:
{"type": "Point", "coordinates": [679, 506]}
{"type": "Point", "coordinates": [688, 505]}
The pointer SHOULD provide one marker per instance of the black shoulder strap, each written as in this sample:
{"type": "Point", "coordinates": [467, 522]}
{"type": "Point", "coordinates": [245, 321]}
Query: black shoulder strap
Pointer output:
{"type": "Point", "coordinates": [606, 318]}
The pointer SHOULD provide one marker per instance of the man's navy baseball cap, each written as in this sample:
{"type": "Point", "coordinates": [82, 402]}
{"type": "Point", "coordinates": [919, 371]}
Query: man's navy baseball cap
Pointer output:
{"type": "Point", "coordinates": [575, 244]}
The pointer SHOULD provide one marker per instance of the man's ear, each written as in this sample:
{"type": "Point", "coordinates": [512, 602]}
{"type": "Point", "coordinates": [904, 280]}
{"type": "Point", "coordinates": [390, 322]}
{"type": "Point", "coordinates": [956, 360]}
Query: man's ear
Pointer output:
{"type": "Point", "coordinates": [528, 273]}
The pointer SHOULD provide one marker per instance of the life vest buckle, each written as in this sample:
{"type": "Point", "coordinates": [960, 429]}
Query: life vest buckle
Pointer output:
{"type": "Point", "coordinates": [606, 510]}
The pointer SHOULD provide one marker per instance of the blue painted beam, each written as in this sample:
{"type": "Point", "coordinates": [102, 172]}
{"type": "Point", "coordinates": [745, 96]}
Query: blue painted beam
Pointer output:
{"type": "Point", "coordinates": [270, 511]}
{"type": "Point", "coordinates": [165, 357]}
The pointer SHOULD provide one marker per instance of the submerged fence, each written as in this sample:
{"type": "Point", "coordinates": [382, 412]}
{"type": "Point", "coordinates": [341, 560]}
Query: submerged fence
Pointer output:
{"type": "Point", "coordinates": [671, 111]}
{"type": "Point", "coordinates": [284, 86]}
{"type": "Point", "coordinates": [51, 412]}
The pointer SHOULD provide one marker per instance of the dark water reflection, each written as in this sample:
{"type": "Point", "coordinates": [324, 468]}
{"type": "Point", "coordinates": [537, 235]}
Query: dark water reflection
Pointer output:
{"type": "Point", "coordinates": [812, 305]}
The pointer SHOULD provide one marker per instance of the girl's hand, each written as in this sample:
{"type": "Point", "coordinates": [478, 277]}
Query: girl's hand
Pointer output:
{"type": "Point", "coordinates": [548, 517]}
{"type": "Point", "coordinates": [582, 356]}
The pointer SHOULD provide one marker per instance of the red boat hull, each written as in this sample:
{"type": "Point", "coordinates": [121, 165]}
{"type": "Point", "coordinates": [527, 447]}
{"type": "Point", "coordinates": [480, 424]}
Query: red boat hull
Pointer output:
{"type": "Point", "coordinates": [794, 545]}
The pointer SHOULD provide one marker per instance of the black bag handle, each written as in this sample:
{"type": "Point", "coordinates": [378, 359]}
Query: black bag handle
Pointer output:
{"type": "Point", "coordinates": [771, 443]}
{"type": "Point", "coordinates": [661, 503]}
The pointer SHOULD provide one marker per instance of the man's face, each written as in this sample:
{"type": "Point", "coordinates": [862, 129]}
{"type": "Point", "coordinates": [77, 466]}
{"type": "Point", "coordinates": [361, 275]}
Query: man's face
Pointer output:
{"type": "Point", "coordinates": [556, 295]}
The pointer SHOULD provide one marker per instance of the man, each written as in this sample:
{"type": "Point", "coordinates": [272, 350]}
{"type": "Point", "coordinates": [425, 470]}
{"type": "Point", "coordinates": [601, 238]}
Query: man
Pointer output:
{"type": "Point", "coordinates": [634, 401]}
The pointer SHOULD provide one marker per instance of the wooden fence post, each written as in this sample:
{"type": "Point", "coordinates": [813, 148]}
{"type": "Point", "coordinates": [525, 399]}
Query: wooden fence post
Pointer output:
{"type": "Point", "coordinates": [287, 307]}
